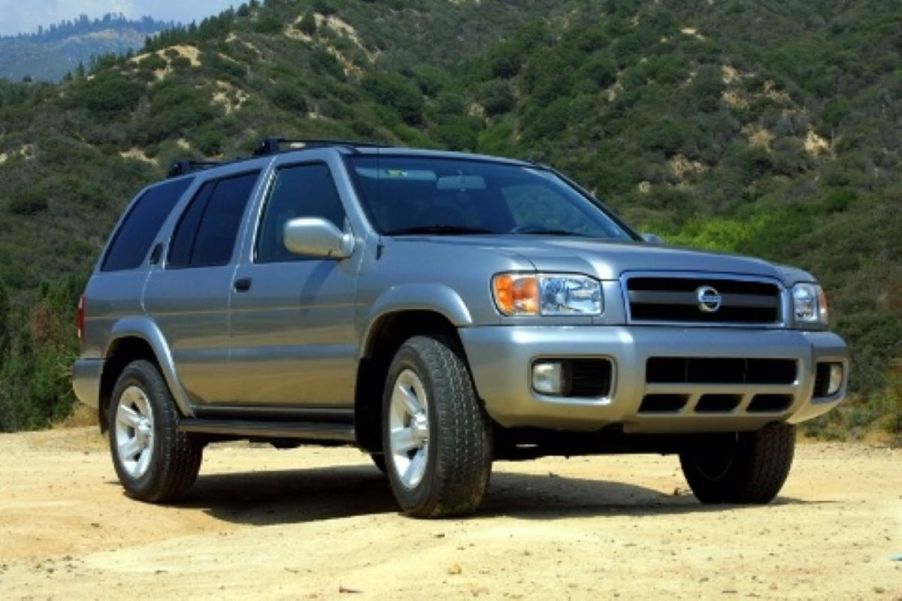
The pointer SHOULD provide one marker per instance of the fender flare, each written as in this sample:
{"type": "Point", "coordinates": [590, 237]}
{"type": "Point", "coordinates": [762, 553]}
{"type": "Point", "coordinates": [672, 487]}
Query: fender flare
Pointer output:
{"type": "Point", "coordinates": [147, 330]}
{"type": "Point", "coordinates": [437, 298]}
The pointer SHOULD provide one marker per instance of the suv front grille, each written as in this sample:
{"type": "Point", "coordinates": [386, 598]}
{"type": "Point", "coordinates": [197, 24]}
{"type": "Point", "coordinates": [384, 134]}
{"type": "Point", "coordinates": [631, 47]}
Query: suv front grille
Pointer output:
{"type": "Point", "coordinates": [676, 299]}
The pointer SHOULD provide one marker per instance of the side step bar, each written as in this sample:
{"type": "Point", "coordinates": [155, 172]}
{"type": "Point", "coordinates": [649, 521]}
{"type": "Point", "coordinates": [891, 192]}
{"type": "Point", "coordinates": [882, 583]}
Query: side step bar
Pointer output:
{"type": "Point", "coordinates": [319, 431]}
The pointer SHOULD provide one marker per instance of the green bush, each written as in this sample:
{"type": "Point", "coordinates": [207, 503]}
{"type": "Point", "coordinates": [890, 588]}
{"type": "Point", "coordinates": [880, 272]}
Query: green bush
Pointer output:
{"type": "Point", "coordinates": [174, 110]}
{"type": "Point", "coordinates": [307, 24]}
{"type": "Point", "coordinates": [109, 94]}
{"type": "Point", "coordinates": [289, 97]}
{"type": "Point", "coordinates": [153, 61]}
{"type": "Point", "coordinates": [397, 92]}
{"type": "Point", "coordinates": [497, 97]}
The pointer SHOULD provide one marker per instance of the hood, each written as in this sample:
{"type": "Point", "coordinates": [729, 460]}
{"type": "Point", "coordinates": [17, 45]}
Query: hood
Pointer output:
{"type": "Point", "coordinates": [607, 259]}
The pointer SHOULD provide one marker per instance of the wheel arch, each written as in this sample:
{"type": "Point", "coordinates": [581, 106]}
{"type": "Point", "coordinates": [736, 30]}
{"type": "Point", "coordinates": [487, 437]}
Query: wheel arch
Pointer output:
{"type": "Point", "coordinates": [131, 340]}
{"type": "Point", "coordinates": [384, 337]}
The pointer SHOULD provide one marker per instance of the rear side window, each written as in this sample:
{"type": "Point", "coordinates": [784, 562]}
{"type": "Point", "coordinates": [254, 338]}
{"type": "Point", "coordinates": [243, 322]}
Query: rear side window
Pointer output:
{"type": "Point", "coordinates": [132, 240]}
{"type": "Point", "coordinates": [299, 191]}
{"type": "Point", "coordinates": [206, 233]}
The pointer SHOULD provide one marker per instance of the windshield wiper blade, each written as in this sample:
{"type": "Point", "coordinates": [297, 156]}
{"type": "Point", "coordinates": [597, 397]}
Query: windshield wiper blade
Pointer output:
{"type": "Point", "coordinates": [440, 230]}
{"type": "Point", "coordinates": [549, 232]}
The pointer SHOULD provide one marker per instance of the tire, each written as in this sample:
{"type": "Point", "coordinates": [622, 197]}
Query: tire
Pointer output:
{"type": "Point", "coordinates": [453, 434]}
{"type": "Point", "coordinates": [741, 468]}
{"type": "Point", "coordinates": [155, 461]}
{"type": "Point", "coordinates": [379, 462]}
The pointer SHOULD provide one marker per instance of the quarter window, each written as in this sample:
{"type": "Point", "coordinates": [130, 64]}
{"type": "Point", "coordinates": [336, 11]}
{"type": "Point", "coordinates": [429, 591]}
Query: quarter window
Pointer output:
{"type": "Point", "coordinates": [206, 233]}
{"type": "Point", "coordinates": [298, 191]}
{"type": "Point", "coordinates": [140, 227]}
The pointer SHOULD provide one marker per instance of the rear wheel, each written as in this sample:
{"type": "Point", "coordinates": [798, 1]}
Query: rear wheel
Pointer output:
{"type": "Point", "coordinates": [436, 435]}
{"type": "Point", "coordinates": [744, 467]}
{"type": "Point", "coordinates": [154, 460]}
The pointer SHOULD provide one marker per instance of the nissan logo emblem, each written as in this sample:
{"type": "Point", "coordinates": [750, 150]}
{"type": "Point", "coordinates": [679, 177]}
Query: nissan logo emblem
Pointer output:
{"type": "Point", "coordinates": [708, 298]}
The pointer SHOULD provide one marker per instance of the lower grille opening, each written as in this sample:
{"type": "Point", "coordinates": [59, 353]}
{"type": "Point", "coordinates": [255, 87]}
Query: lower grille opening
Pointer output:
{"type": "Point", "coordinates": [770, 403]}
{"type": "Point", "coordinates": [709, 370]}
{"type": "Point", "coordinates": [718, 403]}
{"type": "Point", "coordinates": [663, 403]}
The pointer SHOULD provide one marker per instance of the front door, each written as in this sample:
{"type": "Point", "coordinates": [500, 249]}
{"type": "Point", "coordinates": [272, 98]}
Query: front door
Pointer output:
{"type": "Point", "coordinates": [293, 340]}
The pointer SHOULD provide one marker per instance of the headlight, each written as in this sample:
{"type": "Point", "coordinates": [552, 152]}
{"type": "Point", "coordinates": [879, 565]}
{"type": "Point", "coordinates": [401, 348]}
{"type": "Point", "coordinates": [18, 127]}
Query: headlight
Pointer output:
{"type": "Point", "coordinates": [547, 294]}
{"type": "Point", "coordinates": [809, 304]}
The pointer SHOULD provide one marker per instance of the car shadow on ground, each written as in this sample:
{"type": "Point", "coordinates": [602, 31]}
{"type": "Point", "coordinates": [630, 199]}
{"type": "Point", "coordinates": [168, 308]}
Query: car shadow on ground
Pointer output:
{"type": "Point", "coordinates": [297, 496]}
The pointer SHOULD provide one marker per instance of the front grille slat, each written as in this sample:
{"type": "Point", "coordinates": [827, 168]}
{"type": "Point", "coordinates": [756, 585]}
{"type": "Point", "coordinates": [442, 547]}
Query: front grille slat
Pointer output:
{"type": "Point", "coordinates": [675, 299]}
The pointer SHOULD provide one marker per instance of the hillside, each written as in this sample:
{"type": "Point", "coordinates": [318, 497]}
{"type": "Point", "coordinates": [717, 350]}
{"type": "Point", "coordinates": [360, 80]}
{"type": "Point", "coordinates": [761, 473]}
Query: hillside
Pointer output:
{"type": "Point", "coordinates": [48, 55]}
{"type": "Point", "coordinates": [771, 128]}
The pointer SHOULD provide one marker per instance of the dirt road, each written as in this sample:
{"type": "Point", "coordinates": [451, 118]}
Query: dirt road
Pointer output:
{"type": "Point", "coordinates": [320, 524]}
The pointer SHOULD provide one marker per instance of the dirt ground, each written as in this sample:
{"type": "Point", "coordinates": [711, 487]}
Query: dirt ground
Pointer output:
{"type": "Point", "coordinates": [315, 523]}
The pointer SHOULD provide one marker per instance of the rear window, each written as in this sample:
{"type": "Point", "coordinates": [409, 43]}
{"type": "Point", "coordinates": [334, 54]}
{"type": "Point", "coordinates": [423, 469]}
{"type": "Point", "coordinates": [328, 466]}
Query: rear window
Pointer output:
{"type": "Point", "coordinates": [132, 240]}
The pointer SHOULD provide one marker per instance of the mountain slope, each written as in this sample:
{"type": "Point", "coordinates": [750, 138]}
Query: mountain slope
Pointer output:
{"type": "Point", "coordinates": [771, 128]}
{"type": "Point", "coordinates": [49, 55]}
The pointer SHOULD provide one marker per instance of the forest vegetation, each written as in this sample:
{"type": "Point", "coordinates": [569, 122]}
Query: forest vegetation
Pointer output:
{"type": "Point", "coordinates": [49, 54]}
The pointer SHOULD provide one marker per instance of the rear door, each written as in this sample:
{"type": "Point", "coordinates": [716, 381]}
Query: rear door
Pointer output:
{"type": "Point", "coordinates": [188, 295]}
{"type": "Point", "coordinates": [294, 342]}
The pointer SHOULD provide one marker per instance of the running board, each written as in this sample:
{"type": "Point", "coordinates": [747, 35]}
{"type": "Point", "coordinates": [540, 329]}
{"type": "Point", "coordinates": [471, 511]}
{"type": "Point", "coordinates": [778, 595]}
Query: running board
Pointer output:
{"type": "Point", "coordinates": [319, 431]}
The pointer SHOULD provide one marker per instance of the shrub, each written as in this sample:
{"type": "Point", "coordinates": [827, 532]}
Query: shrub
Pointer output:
{"type": "Point", "coordinates": [397, 92]}
{"type": "Point", "coordinates": [307, 24]}
{"type": "Point", "coordinates": [109, 94]}
{"type": "Point", "coordinates": [290, 97]}
{"type": "Point", "coordinates": [497, 97]}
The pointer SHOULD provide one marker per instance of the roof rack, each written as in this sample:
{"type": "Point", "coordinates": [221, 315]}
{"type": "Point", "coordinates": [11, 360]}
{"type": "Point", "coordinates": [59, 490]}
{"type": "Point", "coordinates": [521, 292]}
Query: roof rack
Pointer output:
{"type": "Point", "coordinates": [267, 147]}
{"type": "Point", "coordinates": [184, 167]}
{"type": "Point", "coordinates": [276, 145]}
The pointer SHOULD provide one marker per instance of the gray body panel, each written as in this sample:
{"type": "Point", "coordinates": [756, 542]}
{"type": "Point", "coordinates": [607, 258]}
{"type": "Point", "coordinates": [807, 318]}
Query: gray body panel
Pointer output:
{"type": "Point", "coordinates": [294, 339]}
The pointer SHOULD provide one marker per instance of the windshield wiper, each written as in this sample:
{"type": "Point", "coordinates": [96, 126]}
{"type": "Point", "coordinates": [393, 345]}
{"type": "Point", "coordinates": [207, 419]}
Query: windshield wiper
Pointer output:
{"type": "Point", "coordinates": [547, 232]}
{"type": "Point", "coordinates": [444, 230]}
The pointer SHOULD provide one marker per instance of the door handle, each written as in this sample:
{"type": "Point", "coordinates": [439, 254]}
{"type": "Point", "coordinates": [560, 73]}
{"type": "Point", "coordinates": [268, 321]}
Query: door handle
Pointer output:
{"type": "Point", "coordinates": [243, 284]}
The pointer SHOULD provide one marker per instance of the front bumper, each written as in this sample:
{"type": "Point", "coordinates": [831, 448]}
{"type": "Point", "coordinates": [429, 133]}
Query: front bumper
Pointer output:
{"type": "Point", "coordinates": [501, 357]}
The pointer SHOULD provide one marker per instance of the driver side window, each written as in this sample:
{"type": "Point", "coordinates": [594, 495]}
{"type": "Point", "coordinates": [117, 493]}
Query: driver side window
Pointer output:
{"type": "Point", "coordinates": [298, 191]}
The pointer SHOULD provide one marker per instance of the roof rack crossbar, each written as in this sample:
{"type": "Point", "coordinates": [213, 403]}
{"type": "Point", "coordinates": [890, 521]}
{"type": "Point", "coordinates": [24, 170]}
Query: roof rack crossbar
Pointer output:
{"type": "Point", "coordinates": [184, 167]}
{"type": "Point", "coordinates": [275, 145]}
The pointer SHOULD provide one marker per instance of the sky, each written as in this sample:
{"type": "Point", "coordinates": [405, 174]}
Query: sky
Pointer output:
{"type": "Point", "coordinates": [17, 16]}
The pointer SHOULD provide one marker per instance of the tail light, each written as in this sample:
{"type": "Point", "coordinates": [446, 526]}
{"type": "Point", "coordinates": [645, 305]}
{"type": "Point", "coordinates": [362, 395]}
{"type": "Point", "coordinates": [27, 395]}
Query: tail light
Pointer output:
{"type": "Point", "coordinates": [80, 318]}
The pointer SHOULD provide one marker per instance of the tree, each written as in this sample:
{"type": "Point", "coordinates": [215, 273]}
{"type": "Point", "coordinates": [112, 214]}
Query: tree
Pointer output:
{"type": "Point", "coordinates": [308, 24]}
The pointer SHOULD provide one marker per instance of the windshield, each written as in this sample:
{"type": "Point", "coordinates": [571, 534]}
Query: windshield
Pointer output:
{"type": "Point", "coordinates": [426, 195]}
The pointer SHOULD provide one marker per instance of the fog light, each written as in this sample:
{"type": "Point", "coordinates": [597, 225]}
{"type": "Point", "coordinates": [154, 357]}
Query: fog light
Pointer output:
{"type": "Point", "coordinates": [548, 378]}
{"type": "Point", "coordinates": [835, 378]}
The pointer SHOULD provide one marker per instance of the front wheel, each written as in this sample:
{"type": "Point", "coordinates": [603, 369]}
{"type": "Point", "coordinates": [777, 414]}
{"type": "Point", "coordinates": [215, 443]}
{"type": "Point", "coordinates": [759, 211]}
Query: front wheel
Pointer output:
{"type": "Point", "coordinates": [437, 436]}
{"type": "Point", "coordinates": [154, 460]}
{"type": "Point", "coordinates": [744, 467]}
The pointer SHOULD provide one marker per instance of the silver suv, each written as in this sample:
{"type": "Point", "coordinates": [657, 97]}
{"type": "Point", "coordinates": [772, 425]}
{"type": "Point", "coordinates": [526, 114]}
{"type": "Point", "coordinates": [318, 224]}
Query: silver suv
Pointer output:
{"type": "Point", "coordinates": [439, 311]}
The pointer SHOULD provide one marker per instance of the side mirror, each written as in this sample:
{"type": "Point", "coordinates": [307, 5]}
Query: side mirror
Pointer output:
{"type": "Point", "coordinates": [316, 237]}
{"type": "Point", "coordinates": [652, 238]}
